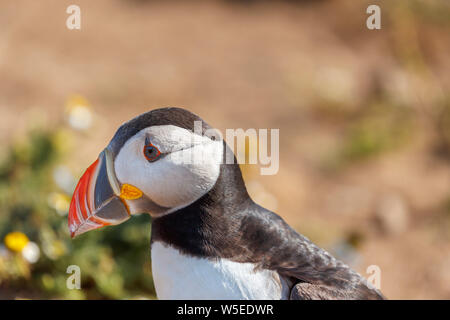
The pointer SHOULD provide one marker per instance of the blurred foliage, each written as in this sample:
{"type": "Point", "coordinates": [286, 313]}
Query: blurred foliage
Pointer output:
{"type": "Point", "coordinates": [432, 11]}
{"type": "Point", "coordinates": [380, 128]}
{"type": "Point", "coordinates": [442, 124]}
{"type": "Point", "coordinates": [114, 262]}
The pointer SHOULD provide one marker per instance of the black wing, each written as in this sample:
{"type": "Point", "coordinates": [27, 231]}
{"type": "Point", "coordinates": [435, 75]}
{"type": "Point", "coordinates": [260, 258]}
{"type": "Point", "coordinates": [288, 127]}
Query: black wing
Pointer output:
{"type": "Point", "coordinates": [314, 273]}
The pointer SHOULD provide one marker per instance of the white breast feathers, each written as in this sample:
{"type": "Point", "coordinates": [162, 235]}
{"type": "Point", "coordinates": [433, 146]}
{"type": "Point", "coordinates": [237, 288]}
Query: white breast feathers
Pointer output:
{"type": "Point", "coordinates": [180, 276]}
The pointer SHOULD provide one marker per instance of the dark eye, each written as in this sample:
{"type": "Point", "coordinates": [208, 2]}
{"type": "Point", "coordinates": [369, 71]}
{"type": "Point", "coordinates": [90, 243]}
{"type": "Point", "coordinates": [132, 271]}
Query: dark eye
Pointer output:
{"type": "Point", "coordinates": [151, 152]}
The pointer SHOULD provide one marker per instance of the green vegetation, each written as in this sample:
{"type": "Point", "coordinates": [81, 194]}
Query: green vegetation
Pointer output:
{"type": "Point", "coordinates": [380, 129]}
{"type": "Point", "coordinates": [114, 262]}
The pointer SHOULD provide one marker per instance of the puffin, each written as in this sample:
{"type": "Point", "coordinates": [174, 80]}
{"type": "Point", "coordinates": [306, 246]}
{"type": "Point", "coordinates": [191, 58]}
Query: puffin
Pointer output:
{"type": "Point", "coordinates": [209, 239]}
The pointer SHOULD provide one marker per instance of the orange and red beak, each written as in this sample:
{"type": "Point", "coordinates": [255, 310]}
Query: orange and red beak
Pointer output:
{"type": "Point", "coordinates": [97, 201]}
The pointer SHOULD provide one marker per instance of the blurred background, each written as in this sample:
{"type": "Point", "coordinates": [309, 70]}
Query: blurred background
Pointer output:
{"type": "Point", "coordinates": [364, 119]}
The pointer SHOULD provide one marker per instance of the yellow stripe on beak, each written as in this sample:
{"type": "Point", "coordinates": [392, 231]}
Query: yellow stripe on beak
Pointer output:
{"type": "Point", "coordinates": [129, 192]}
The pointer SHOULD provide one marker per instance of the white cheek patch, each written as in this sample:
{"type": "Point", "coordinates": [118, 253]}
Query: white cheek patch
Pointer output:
{"type": "Point", "coordinates": [174, 180]}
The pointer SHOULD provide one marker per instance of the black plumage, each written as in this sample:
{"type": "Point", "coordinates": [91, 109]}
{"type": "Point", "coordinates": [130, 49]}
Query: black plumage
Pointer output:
{"type": "Point", "coordinates": [226, 223]}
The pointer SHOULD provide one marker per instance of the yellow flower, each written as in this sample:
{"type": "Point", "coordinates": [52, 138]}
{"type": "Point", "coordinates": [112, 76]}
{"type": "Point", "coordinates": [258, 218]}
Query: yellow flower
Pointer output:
{"type": "Point", "coordinates": [76, 100]}
{"type": "Point", "coordinates": [16, 241]}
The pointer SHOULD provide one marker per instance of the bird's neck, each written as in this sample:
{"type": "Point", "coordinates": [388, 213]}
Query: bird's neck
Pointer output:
{"type": "Point", "coordinates": [210, 225]}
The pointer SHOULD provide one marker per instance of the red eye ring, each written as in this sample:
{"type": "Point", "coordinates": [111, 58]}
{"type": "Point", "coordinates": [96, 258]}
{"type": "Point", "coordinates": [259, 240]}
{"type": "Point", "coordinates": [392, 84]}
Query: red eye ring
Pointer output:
{"type": "Point", "coordinates": [151, 153]}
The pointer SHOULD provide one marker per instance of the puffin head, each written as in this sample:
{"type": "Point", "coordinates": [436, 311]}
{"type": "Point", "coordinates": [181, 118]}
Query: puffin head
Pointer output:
{"type": "Point", "coordinates": [160, 161]}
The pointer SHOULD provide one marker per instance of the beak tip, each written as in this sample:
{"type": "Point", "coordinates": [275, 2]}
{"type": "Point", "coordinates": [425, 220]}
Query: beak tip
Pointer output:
{"type": "Point", "coordinates": [72, 229]}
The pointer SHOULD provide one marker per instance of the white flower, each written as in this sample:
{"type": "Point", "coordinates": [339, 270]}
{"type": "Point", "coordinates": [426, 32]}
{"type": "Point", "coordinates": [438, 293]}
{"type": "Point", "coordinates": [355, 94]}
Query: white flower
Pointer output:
{"type": "Point", "coordinates": [80, 117]}
{"type": "Point", "coordinates": [79, 113]}
{"type": "Point", "coordinates": [64, 179]}
{"type": "Point", "coordinates": [31, 252]}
